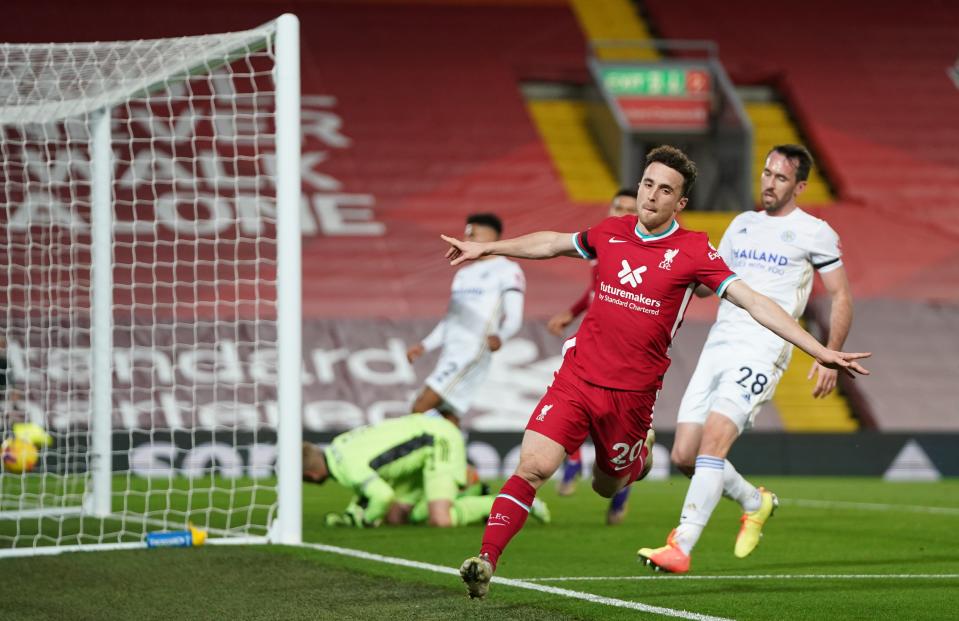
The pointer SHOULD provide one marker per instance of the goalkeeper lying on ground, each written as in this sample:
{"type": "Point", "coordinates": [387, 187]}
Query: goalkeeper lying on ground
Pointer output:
{"type": "Point", "coordinates": [404, 470]}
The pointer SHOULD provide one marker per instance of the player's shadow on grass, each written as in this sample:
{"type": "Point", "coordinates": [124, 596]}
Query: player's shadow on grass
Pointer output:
{"type": "Point", "coordinates": [921, 559]}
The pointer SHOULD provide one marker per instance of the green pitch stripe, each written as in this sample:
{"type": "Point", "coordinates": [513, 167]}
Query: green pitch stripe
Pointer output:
{"type": "Point", "coordinates": [521, 584]}
{"type": "Point", "coordinates": [752, 577]}
{"type": "Point", "coordinates": [867, 506]}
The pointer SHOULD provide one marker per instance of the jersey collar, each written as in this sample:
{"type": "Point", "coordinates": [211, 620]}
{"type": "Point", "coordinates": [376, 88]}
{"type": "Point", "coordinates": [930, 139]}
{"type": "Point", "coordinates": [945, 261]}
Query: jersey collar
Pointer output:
{"type": "Point", "coordinates": [648, 238]}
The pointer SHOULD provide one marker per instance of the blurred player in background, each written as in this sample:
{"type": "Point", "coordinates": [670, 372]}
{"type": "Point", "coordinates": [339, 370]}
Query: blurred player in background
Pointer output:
{"type": "Point", "coordinates": [403, 470]}
{"type": "Point", "coordinates": [608, 382]}
{"type": "Point", "coordinates": [623, 204]}
{"type": "Point", "coordinates": [775, 251]}
{"type": "Point", "coordinates": [485, 310]}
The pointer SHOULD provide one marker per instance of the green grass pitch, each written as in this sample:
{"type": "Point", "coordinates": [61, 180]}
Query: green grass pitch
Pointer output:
{"type": "Point", "coordinates": [836, 549]}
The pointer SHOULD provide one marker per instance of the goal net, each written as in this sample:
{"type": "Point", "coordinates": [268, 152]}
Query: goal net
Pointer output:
{"type": "Point", "coordinates": [149, 290]}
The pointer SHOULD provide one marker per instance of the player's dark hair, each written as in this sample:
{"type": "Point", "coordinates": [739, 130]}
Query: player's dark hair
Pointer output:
{"type": "Point", "coordinates": [631, 193]}
{"type": "Point", "coordinates": [797, 154]}
{"type": "Point", "coordinates": [678, 161]}
{"type": "Point", "coordinates": [486, 219]}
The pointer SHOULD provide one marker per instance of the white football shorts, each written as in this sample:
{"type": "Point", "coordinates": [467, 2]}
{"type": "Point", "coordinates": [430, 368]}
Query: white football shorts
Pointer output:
{"type": "Point", "coordinates": [735, 382]}
{"type": "Point", "coordinates": [457, 377]}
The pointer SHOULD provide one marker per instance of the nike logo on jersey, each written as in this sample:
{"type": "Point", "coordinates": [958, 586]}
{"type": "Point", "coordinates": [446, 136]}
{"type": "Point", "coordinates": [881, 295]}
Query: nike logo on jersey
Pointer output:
{"type": "Point", "coordinates": [742, 231]}
{"type": "Point", "coordinates": [615, 240]}
{"type": "Point", "coordinates": [618, 468]}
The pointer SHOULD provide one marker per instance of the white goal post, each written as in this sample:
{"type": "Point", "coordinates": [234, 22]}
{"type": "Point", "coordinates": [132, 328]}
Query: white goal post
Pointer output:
{"type": "Point", "coordinates": [150, 294]}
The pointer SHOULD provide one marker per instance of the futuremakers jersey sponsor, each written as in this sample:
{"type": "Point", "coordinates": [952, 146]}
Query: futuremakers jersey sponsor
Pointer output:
{"type": "Point", "coordinates": [633, 301]}
{"type": "Point", "coordinates": [643, 286]}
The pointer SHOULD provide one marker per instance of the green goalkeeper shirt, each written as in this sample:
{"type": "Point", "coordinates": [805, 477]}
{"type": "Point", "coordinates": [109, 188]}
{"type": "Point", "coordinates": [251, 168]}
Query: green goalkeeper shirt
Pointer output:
{"type": "Point", "coordinates": [423, 450]}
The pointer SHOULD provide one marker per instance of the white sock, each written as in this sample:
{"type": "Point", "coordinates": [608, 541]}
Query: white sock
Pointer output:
{"type": "Point", "coordinates": [705, 490]}
{"type": "Point", "coordinates": [740, 490]}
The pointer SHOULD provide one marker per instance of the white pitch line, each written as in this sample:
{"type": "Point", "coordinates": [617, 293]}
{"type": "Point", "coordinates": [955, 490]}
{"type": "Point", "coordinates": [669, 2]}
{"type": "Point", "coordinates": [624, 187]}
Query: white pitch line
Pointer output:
{"type": "Point", "coordinates": [752, 577]}
{"type": "Point", "coordinates": [521, 584]}
{"type": "Point", "coordinates": [867, 506]}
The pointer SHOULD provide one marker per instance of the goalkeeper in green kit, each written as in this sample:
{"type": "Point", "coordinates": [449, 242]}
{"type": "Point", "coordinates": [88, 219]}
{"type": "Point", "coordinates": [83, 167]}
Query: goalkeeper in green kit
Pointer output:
{"type": "Point", "coordinates": [407, 470]}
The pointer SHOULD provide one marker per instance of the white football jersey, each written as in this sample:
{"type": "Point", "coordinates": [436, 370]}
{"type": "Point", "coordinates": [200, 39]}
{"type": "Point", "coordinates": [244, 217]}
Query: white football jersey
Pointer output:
{"type": "Point", "coordinates": [476, 301]}
{"type": "Point", "coordinates": [776, 256]}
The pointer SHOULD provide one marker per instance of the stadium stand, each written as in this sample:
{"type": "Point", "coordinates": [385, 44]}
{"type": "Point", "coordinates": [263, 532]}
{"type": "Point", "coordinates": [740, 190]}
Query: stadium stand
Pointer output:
{"type": "Point", "coordinates": [564, 127]}
{"type": "Point", "coordinates": [614, 20]}
{"type": "Point", "coordinates": [883, 115]}
{"type": "Point", "coordinates": [425, 98]}
{"type": "Point", "coordinates": [872, 104]}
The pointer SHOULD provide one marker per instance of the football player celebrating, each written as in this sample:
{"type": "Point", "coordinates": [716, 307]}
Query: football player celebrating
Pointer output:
{"type": "Point", "coordinates": [775, 251]}
{"type": "Point", "coordinates": [647, 268]}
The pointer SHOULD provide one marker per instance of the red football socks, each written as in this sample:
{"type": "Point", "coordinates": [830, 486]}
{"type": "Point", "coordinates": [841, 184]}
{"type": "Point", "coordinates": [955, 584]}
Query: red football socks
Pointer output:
{"type": "Point", "coordinates": [507, 516]}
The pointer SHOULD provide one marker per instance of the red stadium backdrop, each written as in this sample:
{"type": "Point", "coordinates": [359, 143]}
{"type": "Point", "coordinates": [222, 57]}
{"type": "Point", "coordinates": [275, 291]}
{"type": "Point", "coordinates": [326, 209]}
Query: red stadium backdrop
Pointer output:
{"type": "Point", "coordinates": [390, 160]}
{"type": "Point", "coordinates": [412, 119]}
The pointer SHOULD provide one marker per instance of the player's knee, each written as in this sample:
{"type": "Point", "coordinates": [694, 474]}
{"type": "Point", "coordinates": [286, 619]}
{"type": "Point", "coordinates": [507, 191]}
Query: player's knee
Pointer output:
{"type": "Point", "coordinates": [718, 444]}
{"type": "Point", "coordinates": [685, 461]}
{"type": "Point", "coordinates": [605, 485]}
{"type": "Point", "coordinates": [605, 488]}
{"type": "Point", "coordinates": [533, 472]}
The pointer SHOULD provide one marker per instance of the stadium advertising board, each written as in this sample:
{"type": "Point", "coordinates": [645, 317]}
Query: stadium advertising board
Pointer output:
{"type": "Point", "coordinates": [213, 374]}
{"type": "Point", "coordinates": [898, 456]}
{"type": "Point", "coordinates": [653, 98]}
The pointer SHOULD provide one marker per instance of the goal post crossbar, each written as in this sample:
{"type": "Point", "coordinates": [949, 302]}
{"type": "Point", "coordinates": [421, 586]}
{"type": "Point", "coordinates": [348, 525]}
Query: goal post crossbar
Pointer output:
{"type": "Point", "coordinates": [218, 50]}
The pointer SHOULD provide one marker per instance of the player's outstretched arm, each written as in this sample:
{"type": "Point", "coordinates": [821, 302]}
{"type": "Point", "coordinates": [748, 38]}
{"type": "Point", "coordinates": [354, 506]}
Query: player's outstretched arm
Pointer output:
{"type": "Point", "coordinates": [539, 245]}
{"type": "Point", "coordinates": [432, 341]}
{"type": "Point", "coordinates": [773, 317]}
{"type": "Point", "coordinates": [840, 320]}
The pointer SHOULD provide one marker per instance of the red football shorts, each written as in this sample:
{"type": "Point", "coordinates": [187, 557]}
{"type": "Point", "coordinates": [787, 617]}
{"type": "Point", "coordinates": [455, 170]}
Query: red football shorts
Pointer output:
{"type": "Point", "coordinates": [616, 420]}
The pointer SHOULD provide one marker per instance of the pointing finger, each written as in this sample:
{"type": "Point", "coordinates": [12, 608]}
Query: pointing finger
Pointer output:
{"type": "Point", "coordinates": [859, 368]}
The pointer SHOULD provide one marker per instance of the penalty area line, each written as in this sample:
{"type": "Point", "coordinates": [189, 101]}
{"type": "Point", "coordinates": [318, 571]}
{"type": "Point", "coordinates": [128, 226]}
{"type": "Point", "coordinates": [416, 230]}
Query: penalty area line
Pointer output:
{"type": "Point", "coordinates": [520, 584]}
{"type": "Point", "coordinates": [751, 577]}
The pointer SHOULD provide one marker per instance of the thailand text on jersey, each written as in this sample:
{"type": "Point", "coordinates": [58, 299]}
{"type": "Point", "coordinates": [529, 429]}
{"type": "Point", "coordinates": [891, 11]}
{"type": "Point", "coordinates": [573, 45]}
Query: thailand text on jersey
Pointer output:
{"type": "Point", "coordinates": [775, 256]}
{"type": "Point", "coordinates": [643, 285]}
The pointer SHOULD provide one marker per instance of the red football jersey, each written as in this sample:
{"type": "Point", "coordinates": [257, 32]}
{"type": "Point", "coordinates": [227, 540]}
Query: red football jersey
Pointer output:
{"type": "Point", "coordinates": [580, 305]}
{"type": "Point", "coordinates": [643, 285]}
